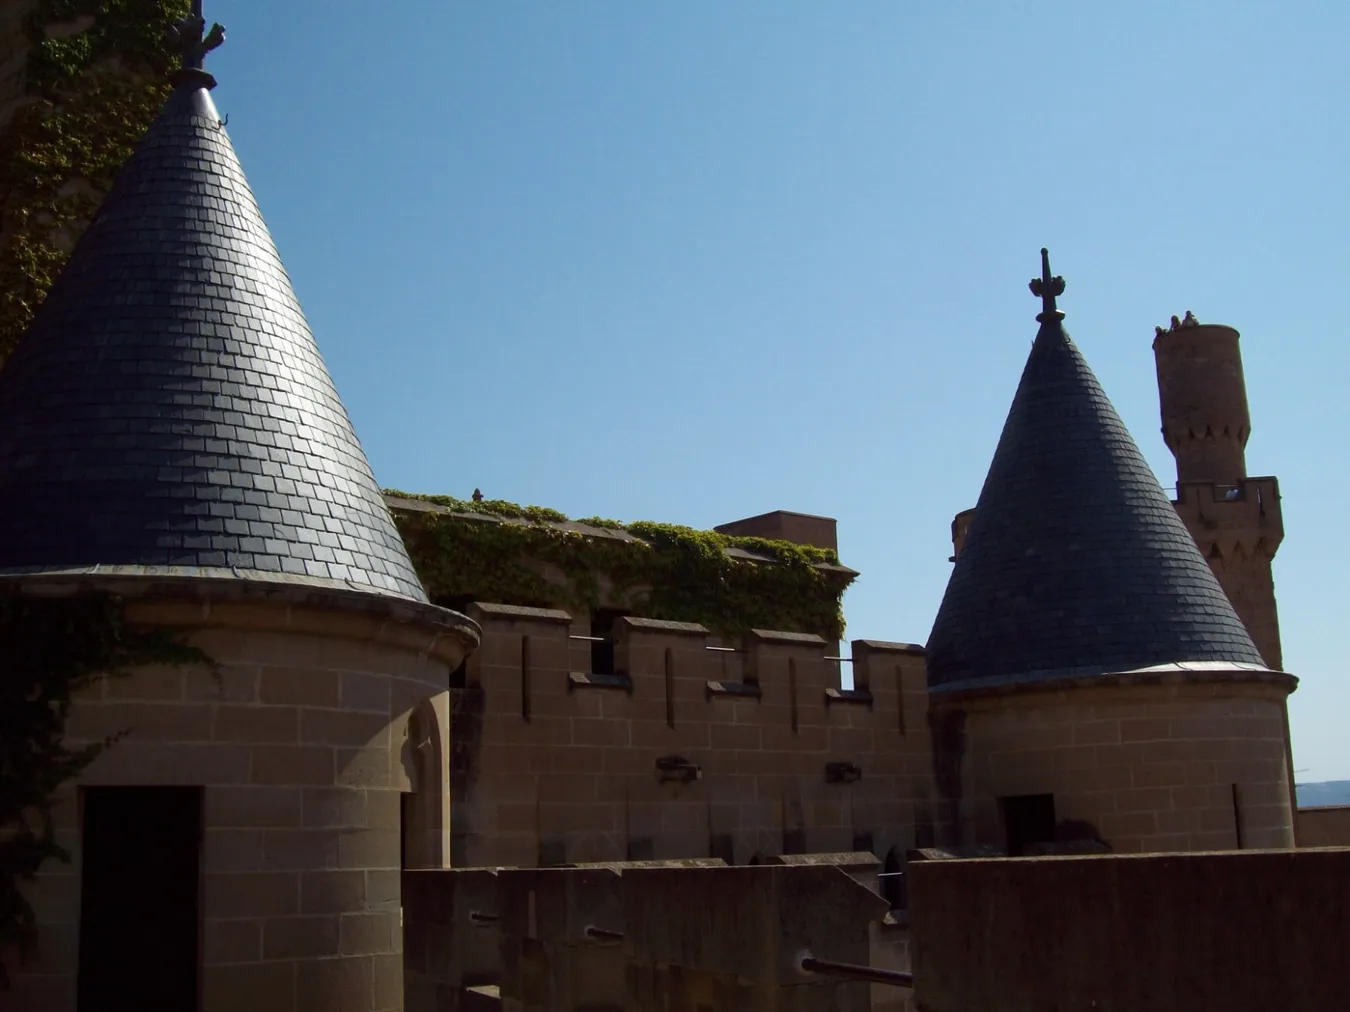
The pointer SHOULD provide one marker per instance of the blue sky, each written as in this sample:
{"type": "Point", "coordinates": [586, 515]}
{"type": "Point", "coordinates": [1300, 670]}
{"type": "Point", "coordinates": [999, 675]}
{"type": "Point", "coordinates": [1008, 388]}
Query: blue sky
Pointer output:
{"type": "Point", "coordinates": [695, 261]}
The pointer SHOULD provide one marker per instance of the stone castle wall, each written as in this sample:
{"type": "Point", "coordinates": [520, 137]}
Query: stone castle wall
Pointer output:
{"type": "Point", "coordinates": [1324, 827]}
{"type": "Point", "coordinates": [1166, 932]}
{"type": "Point", "coordinates": [554, 764]}
{"type": "Point", "coordinates": [1182, 764]}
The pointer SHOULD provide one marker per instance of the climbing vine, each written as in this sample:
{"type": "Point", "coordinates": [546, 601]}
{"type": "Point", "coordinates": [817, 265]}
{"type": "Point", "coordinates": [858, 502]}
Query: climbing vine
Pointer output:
{"type": "Point", "coordinates": [51, 648]}
{"type": "Point", "coordinates": [96, 73]}
{"type": "Point", "coordinates": [663, 571]}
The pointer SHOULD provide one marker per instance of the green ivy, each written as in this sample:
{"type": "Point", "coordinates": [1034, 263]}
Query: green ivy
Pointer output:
{"type": "Point", "coordinates": [670, 572]}
{"type": "Point", "coordinates": [91, 97]}
{"type": "Point", "coordinates": [51, 648]}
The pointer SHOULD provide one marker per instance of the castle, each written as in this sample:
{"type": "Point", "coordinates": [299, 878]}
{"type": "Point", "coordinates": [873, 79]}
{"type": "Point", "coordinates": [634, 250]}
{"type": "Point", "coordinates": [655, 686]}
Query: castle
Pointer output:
{"type": "Point", "coordinates": [1087, 682]}
{"type": "Point", "coordinates": [1103, 674]}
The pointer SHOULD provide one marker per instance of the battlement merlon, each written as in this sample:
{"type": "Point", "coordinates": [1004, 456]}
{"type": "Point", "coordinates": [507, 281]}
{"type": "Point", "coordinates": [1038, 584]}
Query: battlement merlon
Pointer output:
{"type": "Point", "coordinates": [1246, 512]}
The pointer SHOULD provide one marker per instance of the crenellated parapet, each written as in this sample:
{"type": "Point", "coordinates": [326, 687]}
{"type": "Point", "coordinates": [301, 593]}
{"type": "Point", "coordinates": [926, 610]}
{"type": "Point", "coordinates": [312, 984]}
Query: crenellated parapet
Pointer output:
{"type": "Point", "coordinates": [675, 743]}
{"type": "Point", "coordinates": [1238, 528]}
{"type": "Point", "coordinates": [1202, 397]}
{"type": "Point", "coordinates": [1241, 517]}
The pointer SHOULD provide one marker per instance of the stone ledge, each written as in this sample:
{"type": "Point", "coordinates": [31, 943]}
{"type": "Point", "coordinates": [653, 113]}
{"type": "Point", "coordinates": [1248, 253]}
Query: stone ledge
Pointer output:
{"type": "Point", "coordinates": [585, 680]}
{"type": "Point", "coordinates": [660, 625]}
{"type": "Point", "coordinates": [518, 612]}
{"type": "Point", "coordinates": [748, 690]}
{"type": "Point", "coordinates": [161, 598]}
{"type": "Point", "coordinates": [858, 697]}
{"type": "Point", "coordinates": [886, 647]}
{"type": "Point", "coordinates": [841, 859]}
{"type": "Point", "coordinates": [1197, 674]}
{"type": "Point", "coordinates": [786, 638]}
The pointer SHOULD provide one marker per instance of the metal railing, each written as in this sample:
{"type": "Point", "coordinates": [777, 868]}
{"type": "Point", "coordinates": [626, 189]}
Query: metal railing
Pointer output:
{"type": "Point", "coordinates": [852, 971]}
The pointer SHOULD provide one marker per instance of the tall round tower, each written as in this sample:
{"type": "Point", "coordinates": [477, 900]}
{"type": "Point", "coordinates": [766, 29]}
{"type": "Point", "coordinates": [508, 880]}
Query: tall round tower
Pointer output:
{"type": "Point", "coordinates": [1235, 519]}
{"type": "Point", "coordinates": [1203, 397]}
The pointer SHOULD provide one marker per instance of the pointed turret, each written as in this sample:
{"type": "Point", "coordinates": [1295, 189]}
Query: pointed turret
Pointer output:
{"type": "Point", "coordinates": [168, 410]}
{"type": "Point", "coordinates": [1075, 562]}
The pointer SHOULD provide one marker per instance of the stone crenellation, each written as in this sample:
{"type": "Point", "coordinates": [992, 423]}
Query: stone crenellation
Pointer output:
{"type": "Point", "coordinates": [685, 747]}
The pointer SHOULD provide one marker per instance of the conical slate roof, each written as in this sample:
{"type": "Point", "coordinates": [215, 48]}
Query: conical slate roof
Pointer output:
{"type": "Point", "coordinates": [1075, 562]}
{"type": "Point", "coordinates": [169, 407]}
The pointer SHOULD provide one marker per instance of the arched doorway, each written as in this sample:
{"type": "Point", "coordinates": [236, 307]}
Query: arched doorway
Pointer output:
{"type": "Point", "coordinates": [425, 807]}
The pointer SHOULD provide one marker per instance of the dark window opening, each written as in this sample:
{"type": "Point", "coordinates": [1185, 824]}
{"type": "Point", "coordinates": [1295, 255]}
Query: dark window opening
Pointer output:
{"type": "Point", "coordinates": [602, 648]}
{"type": "Point", "coordinates": [1027, 819]}
{"type": "Point", "coordinates": [721, 845]}
{"type": "Point", "coordinates": [893, 882]}
{"type": "Point", "coordinates": [552, 852]}
{"type": "Point", "coordinates": [140, 888]}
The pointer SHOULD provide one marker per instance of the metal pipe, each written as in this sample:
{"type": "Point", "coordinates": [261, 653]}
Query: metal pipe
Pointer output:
{"type": "Point", "coordinates": [723, 650]}
{"type": "Point", "coordinates": [589, 639]}
{"type": "Point", "coordinates": [872, 974]}
{"type": "Point", "coordinates": [602, 934]}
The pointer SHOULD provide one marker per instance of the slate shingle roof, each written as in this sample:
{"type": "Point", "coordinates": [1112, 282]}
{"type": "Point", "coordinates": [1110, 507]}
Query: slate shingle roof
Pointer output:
{"type": "Point", "coordinates": [169, 407]}
{"type": "Point", "coordinates": [1075, 562]}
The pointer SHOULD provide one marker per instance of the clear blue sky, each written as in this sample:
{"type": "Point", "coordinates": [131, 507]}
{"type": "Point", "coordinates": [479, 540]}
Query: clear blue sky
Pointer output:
{"type": "Point", "coordinates": [694, 261]}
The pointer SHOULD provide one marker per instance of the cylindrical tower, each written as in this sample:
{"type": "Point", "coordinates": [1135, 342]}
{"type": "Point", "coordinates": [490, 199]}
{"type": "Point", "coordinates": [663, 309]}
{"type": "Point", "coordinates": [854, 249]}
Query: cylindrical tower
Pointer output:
{"type": "Point", "coordinates": [1203, 397]}
{"type": "Point", "coordinates": [1235, 520]}
{"type": "Point", "coordinates": [1090, 684]}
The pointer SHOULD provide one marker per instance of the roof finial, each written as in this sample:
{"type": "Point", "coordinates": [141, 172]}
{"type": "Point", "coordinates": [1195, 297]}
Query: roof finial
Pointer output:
{"type": "Point", "coordinates": [1047, 287]}
{"type": "Point", "coordinates": [187, 37]}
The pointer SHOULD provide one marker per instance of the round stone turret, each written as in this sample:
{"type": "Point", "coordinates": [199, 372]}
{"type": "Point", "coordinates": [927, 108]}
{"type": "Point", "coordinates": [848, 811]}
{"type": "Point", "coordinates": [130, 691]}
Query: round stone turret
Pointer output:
{"type": "Point", "coordinates": [1203, 397]}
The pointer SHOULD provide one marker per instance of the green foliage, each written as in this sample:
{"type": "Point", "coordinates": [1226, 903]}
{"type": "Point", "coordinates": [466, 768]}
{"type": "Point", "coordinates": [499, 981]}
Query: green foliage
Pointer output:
{"type": "Point", "coordinates": [52, 647]}
{"type": "Point", "coordinates": [91, 96]}
{"type": "Point", "coordinates": [670, 572]}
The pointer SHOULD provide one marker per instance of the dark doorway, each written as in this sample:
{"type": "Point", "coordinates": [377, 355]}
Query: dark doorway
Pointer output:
{"type": "Point", "coordinates": [140, 885]}
{"type": "Point", "coordinates": [1028, 819]}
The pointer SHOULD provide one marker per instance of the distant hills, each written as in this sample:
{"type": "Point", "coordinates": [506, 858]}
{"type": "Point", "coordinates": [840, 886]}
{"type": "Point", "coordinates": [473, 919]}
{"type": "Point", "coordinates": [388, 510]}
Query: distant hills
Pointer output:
{"type": "Point", "coordinates": [1330, 792]}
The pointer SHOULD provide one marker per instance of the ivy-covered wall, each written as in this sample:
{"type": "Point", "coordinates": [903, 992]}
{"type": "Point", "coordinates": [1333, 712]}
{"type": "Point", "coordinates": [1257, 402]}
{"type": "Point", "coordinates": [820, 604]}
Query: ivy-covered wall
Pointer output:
{"type": "Point", "coordinates": [94, 77]}
{"type": "Point", "coordinates": [530, 555]}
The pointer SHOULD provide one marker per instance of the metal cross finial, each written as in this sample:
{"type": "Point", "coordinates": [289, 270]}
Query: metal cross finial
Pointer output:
{"type": "Point", "coordinates": [1047, 287]}
{"type": "Point", "coordinates": [187, 37]}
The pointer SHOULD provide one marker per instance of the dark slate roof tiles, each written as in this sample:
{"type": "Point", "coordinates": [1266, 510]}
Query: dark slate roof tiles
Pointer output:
{"type": "Point", "coordinates": [1075, 562]}
{"type": "Point", "coordinates": [169, 406]}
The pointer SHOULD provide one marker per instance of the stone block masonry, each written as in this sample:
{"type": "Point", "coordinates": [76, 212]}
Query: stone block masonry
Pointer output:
{"type": "Point", "coordinates": [646, 936]}
{"type": "Point", "coordinates": [1164, 932]}
{"type": "Point", "coordinates": [299, 741]}
{"type": "Point", "coordinates": [688, 748]}
{"type": "Point", "coordinates": [1163, 762]}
